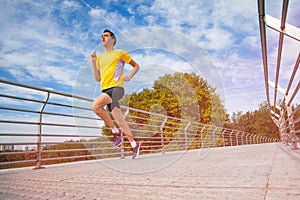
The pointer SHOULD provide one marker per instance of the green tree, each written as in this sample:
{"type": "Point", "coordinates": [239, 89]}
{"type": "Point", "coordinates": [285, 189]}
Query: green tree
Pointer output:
{"type": "Point", "coordinates": [180, 95]}
{"type": "Point", "coordinates": [258, 122]}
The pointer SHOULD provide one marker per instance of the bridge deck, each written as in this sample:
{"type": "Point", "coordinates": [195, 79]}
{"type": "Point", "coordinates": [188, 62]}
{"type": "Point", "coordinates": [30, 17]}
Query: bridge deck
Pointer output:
{"type": "Point", "coordinates": [262, 171]}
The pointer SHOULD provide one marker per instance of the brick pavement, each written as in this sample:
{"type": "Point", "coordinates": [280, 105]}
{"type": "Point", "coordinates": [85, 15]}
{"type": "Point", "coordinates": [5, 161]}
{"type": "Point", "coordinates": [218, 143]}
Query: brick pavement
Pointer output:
{"type": "Point", "coordinates": [264, 171]}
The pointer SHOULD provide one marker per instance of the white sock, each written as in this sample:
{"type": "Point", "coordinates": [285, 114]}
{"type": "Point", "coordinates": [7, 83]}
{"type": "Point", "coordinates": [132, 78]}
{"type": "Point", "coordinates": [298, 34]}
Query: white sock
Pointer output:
{"type": "Point", "coordinates": [114, 130]}
{"type": "Point", "coordinates": [133, 144]}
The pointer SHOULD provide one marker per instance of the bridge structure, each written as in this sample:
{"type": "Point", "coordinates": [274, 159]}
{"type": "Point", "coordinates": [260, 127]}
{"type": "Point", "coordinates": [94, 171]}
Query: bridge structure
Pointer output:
{"type": "Point", "coordinates": [285, 110]}
{"type": "Point", "coordinates": [78, 134]}
{"type": "Point", "coordinates": [40, 127]}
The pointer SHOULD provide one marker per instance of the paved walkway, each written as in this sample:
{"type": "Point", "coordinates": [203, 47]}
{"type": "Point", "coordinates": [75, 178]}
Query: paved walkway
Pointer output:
{"type": "Point", "coordinates": [264, 171]}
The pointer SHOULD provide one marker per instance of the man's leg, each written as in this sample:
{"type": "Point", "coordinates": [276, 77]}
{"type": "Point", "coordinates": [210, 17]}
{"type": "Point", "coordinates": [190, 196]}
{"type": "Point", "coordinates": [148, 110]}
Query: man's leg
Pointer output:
{"type": "Point", "coordinates": [98, 108]}
{"type": "Point", "coordinates": [118, 115]}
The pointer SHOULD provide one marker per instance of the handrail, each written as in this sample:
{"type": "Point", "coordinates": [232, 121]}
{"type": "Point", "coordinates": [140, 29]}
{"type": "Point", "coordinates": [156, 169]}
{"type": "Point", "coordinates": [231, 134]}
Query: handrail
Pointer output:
{"type": "Point", "coordinates": [284, 112]}
{"type": "Point", "coordinates": [47, 130]}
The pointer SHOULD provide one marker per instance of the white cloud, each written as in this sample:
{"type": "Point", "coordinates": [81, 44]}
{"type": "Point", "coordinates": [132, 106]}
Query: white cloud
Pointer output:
{"type": "Point", "coordinates": [67, 5]}
{"type": "Point", "coordinates": [234, 14]}
{"type": "Point", "coordinates": [97, 13]}
{"type": "Point", "coordinates": [217, 39]}
{"type": "Point", "coordinates": [53, 73]}
{"type": "Point", "coordinates": [244, 101]}
{"type": "Point", "coordinates": [252, 42]}
{"type": "Point", "coordinates": [34, 40]}
{"type": "Point", "coordinates": [102, 19]}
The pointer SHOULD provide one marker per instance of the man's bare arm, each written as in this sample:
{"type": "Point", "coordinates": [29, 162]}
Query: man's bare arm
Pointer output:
{"type": "Point", "coordinates": [135, 69]}
{"type": "Point", "coordinates": [96, 71]}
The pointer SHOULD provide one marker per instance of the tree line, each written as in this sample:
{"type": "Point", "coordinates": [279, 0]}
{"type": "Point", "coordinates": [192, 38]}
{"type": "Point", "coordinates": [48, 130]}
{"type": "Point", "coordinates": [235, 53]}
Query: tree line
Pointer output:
{"type": "Point", "coordinates": [257, 122]}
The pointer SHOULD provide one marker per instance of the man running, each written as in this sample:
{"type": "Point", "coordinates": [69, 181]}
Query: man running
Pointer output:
{"type": "Point", "coordinates": [109, 69]}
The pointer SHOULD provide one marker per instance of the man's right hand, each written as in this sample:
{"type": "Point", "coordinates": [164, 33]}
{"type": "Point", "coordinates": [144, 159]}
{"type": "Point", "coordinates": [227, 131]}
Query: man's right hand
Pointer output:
{"type": "Point", "coordinates": [94, 56]}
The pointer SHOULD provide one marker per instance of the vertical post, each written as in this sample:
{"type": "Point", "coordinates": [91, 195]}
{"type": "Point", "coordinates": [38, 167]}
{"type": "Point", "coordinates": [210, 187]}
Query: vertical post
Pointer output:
{"type": "Point", "coordinates": [261, 137]}
{"type": "Point", "coordinates": [242, 138]}
{"type": "Point", "coordinates": [214, 137]}
{"type": "Point", "coordinates": [39, 141]}
{"type": "Point", "coordinates": [237, 138]}
{"type": "Point", "coordinates": [201, 134]}
{"type": "Point", "coordinates": [185, 136]}
{"type": "Point", "coordinates": [282, 127]}
{"type": "Point", "coordinates": [127, 112]}
{"type": "Point", "coordinates": [246, 138]}
{"type": "Point", "coordinates": [249, 139]}
{"type": "Point", "coordinates": [291, 123]}
{"type": "Point", "coordinates": [230, 136]}
{"type": "Point", "coordinates": [162, 135]}
{"type": "Point", "coordinates": [223, 137]}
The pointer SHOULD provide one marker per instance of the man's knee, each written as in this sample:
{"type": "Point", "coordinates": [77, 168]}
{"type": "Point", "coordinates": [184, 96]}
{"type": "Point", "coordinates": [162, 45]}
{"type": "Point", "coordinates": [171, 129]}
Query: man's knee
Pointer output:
{"type": "Point", "coordinates": [101, 101]}
{"type": "Point", "coordinates": [96, 107]}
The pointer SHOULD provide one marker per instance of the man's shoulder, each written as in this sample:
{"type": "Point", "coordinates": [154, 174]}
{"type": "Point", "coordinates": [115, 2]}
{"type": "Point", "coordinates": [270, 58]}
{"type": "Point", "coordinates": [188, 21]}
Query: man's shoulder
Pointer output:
{"type": "Point", "coordinates": [120, 51]}
{"type": "Point", "coordinates": [116, 51]}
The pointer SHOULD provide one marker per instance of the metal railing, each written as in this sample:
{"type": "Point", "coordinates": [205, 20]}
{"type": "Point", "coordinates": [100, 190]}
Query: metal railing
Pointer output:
{"type": "Point", "coordinates": [285, 112]}
{"type": "Point", "coordinates": [41, 126]}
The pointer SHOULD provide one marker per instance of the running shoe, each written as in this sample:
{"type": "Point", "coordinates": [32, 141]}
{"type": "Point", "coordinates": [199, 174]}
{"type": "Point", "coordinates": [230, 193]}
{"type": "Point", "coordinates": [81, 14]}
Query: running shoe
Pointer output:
{"type": "Point", "coordinates": [117, 139]}
{"type": "Point", "coordinates": [136, 150]}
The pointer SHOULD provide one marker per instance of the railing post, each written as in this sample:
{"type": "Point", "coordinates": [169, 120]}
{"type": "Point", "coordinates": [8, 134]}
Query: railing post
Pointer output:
{"type": "Point", "coordinates": [282, 127]}
{"type": "Point", "coordinates": [230, 136]}
{"type": "Point", "coordinates": [39, 141]}
{"type": "Point", "coordinates": [247, 139]}
{"type": "Point", "coordinates": [291, 124]}
{"type": "Point", "coordinates": [127, 112]}
{"type": "Point", "coordinates": [237, 138]}
{"type": "Point", "coordinates": [242, 138]}
{"type": "Point", "coordinates": [162, 135]}
{"type": "Point", "coordinates": [214, 136]}
{"type": "Point", "coordinates": [251, 139]}
{"type": "Point", "coordinates": [223, 137]}
{"type": "Point", "coordinates": [201, 135]}
{"type": "Point", "coordinates": [257, 136]}
{"type": "Point", "coordinates": [261, 139]}
{"type": "Point", "coordinates": [185, 136]}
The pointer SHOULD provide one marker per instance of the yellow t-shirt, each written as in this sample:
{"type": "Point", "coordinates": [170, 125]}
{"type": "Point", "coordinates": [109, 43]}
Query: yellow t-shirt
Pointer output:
{"type": "Point", "coordinates": [111, 65]}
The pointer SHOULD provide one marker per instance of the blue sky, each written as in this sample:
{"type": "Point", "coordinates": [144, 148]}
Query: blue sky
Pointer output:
{"type": "Point", "coordinates": [47, 43]}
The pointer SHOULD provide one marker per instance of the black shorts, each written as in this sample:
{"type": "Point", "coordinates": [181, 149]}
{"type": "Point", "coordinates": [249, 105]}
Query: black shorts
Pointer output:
{"type": "Point", "coordinates": [115, 93]}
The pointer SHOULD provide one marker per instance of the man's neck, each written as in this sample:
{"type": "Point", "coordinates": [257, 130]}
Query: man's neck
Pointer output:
{"type": "Point", "coordinates": [107, 49]}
